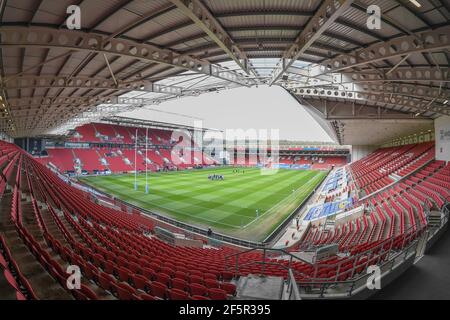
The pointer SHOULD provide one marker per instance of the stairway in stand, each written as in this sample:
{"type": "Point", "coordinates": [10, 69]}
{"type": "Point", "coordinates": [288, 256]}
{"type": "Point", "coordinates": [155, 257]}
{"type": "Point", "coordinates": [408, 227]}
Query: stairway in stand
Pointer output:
{"type": "Point", "coordinates": [99, 159]}
{"type": "Point", "coordinates": [44, 285]}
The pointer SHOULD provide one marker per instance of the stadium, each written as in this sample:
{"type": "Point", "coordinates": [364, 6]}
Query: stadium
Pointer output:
{"type": "Point", "coordinates": [107, 195]}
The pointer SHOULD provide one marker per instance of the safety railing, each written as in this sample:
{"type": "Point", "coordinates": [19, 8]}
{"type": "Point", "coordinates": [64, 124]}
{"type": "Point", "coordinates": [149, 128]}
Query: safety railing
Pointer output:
{"type": "Point", "coordinates": [266, 253]}
{"type": "Point", "coordinates": [444, 220]}
{"type": "Point", "coordinates": [292, 291]}
{"type": "Point", "coordinates": [311, 246]}
{"type": "Point", "coordinates": [386, 256]}
{"type": "Point", "coordinates": [347, 288]}
{"type": "Point", "coordinates": [379, 254]}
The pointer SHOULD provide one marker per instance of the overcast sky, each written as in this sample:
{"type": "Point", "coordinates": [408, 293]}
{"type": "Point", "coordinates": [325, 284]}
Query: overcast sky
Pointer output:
{"type": "Point", "coordinates": [241, 108]}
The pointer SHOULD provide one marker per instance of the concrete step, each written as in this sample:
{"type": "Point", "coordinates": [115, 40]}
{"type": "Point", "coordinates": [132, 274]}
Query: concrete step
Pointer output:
{"type": "Point", "coordinates": [253, 287]}
{"type": "Point", "coordinates": [42, 283]}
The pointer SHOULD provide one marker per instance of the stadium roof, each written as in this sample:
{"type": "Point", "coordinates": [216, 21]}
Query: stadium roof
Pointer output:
{"type": "Point", "coordinates": [131, 53]}
{"type": "Point", "coordinates": [133, 122]}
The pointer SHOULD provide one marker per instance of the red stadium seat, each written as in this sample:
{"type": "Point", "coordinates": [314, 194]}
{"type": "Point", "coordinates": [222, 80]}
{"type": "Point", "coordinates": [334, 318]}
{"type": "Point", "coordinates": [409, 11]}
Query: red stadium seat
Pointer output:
{"type": "Point", "coordinates": [3, 262]}
{"type": "Point", "coordinates": [148, 273]}
{"type": "Point", "coordinates": [20, 296]}
{"type": "Point", "coordinates": [134, 267]}
{"type": "Point", "coordinates": [158, 289]}
{"type": "Point", "coordinates": [196, 273]}
{"type": "Point", "coordinates": [210, 276]}
{"type": "Point", "coordinates": [181, 275]}
{"type": "Point", "coordinates": [230, 288]}
{"type": "Point", "coordinates": [124, 274]}
{"type": "Point", "coordinates": [163, 278]}
{"type": "Point", "coordinates": [217, 294]}
{"type": "Point", "coordinates": [176, 294]}
{"type": "Point", "coordinates": [124, 291]}
{"type": "Point", "coordinates": [140, 282]}
{"type": "Point", "coordinates": [196, 279]}
{"type": "Point", "coordinates": [136, 297]}
{"type": "Point", "coordinates": [197, 289]}
{"type": "Point", "coordinates": [195, 297]}
{"type": "Point", "coordinates": [210, 283]}
{"type": "Point", "coordinates": [91, 271]}
{"type": "Point", "coordinates": [106, 281]}
{"type": "Point", "coordinates": [145, 296]}
{"type": "Point", "coordinates": [180, 284]}
{"type": "Point", "coordinates": [10, 279]}
{"type": "Point", "coordinates": [108, 267]}
{"type": "Point", "coordinates": [88, 292]}
{"type": "Point", "coordinates": [98, 260]}
{"type": "Point", "coordinates": [226, 275]}
{"type": "Point", "coordinates": [169, 271]}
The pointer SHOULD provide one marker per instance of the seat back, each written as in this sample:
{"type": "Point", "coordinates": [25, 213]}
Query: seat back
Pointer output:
{"type": "Point", "coordinates": [176, 294]}
{"type": "Point", "coordinates": [217, 294]}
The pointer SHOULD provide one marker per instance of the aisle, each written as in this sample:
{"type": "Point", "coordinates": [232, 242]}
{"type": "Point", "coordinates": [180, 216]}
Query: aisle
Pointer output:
{"type": "Point", "coordinates": [428, 279]}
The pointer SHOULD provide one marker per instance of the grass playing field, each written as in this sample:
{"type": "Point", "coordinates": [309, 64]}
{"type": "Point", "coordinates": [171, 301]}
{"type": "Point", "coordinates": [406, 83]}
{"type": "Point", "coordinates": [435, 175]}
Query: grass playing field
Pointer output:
{"type": "Point", "coordinates": [227, 206]}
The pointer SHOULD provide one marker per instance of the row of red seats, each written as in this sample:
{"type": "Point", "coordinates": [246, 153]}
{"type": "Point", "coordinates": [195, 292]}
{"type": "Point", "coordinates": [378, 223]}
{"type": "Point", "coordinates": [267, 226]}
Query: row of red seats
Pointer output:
{"type": "Point", "coordinates": [429, 155]}
{"type": "Point", "coordinates": [372, 172]}
{"type": "Point", "coordinates": [7, 160]}
{"type": "Point", "coordinates": [376, 160]}
{"type": "Point", "coordinates": [13, 284]}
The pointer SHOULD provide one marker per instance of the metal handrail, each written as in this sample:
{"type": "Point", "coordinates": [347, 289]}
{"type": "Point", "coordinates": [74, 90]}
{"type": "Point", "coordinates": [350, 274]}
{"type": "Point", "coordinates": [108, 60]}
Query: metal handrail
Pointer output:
{"type": "Point", "coordinates": [292, 287]}
{"type": "Point", "coordinates": [322, 285]}
{"type": "Point", "coordinates": [263, 262]}
{"type": "Point", "coordinates": [409, 237]}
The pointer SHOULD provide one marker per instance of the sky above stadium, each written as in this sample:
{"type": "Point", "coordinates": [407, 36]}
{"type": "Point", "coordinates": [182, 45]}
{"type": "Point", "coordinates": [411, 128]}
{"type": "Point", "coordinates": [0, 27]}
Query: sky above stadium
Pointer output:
{"type": "Point", "coordinates": [241, 108]}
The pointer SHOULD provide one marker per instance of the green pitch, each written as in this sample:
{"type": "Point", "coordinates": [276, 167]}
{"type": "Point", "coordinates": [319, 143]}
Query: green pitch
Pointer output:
{"type": "Point", "coordinates": [227, 206]}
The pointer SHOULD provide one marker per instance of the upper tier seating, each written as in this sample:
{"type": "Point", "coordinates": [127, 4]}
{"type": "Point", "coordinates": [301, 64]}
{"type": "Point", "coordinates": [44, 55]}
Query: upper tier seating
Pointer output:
{"type": "Point", "coordinates": [123, 133]}
{"type": "Point", "coordinates": [90, 159]}
{"type": "Point", "coordinates": [62, 158]}
{"type": "Point", "coordinates": [103, 132]}
{"type": "Point", "coordinates": [86, 133]}
{"type": "Point", "coordinates": [380, 168]}
{"type": "Point", "coordinates": [107, 132]}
